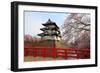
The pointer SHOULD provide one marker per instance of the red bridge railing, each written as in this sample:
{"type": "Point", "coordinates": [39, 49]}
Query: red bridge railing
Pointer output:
{"type": "Point", "coordinates": [65, 53]}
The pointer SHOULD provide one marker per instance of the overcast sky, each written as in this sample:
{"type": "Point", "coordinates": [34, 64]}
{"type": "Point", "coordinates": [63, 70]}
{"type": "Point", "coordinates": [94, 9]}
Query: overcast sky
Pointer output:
{"type": "Point", "coordinates": [33, 20]}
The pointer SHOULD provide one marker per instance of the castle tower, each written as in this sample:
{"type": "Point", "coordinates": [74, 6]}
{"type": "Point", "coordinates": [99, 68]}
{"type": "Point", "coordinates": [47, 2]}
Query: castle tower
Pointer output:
{"type": "Point", "coordinates": [51, 33]}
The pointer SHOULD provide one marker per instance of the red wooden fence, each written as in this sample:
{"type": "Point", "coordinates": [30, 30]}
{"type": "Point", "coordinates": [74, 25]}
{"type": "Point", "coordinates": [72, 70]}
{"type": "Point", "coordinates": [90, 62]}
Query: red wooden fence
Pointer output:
{"type": "Point", "coordinates": [65, 53]}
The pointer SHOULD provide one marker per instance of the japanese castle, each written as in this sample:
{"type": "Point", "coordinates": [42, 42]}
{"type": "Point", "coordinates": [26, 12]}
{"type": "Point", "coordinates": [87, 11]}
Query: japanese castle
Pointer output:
{"type": "Point", "coordinates": [50, 31]}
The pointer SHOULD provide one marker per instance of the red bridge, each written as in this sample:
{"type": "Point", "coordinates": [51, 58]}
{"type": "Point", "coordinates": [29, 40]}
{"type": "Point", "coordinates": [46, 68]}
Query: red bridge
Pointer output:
{"type": "Point", "coordinates": [65, 53]}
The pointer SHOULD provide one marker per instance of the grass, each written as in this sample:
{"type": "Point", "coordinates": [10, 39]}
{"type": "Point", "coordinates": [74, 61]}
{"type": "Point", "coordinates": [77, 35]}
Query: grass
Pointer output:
{"type": "Point", "coordinates": [32, 58]}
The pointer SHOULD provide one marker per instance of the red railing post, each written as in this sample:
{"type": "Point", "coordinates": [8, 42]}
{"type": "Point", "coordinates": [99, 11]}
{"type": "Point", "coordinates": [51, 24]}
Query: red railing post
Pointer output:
{"type": "Point", "coordinates": [44, 53]}
{"type": "Point", "coordinates": [77, 53]}
{"type": "Point", "coordinates": [65, 54]}
{"type": "Point", "coordinates": [54, 53]}
{"type": "Point", "coordinates": [34, 53]}
{"type": "Point", "coordinates": [25, 52]}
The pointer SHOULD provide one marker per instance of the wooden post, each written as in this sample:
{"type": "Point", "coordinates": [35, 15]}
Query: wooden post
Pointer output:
{"type": "Point", "coordinates": [65, 54]}
{"type": "Point", "coordinates": [34, 53]}
{"type": "Point", "coordinates": [54, 53]}
{"type": "Point", "coordinates": [44, 53]}
{"type": "Point", "coordinates": [25, 52]}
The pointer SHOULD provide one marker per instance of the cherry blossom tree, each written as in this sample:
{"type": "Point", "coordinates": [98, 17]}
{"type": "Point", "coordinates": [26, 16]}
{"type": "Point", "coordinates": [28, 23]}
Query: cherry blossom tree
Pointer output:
{"type": "Point", "coordinates": [76, 30]}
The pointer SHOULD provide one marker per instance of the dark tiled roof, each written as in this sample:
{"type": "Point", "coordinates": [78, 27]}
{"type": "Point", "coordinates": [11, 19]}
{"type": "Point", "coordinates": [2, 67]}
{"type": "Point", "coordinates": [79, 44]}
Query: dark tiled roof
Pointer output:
{"type": "Point", "coordinates": [49, 22]}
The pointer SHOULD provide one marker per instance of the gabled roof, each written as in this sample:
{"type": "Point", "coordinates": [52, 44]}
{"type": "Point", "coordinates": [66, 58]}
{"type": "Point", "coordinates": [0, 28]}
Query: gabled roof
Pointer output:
{"type": "Point", "coordinates": [47, 34]}
{"type": "Point", "coordinates": [49, 22]}
{"type": "Point", "coordinates": [43, 34]}
{"type": "Point", "coordinates": [43, 29]}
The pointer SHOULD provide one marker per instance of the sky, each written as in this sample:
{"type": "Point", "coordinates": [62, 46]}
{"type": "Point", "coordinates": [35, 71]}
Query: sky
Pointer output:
{"type": "Point", "coordinates": [33, 21]}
